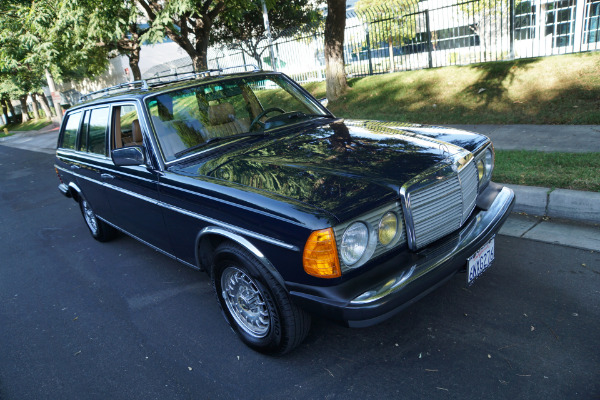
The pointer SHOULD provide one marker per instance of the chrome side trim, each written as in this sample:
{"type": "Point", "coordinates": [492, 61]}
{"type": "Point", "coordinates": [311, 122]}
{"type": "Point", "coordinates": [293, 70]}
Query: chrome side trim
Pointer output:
{"type": "Point", "coordinates": [132, 194]}
{"type": "Point", "coordinates": [470, 233]}
{"type": "Point", "coordinates": [111, 170]}
{"type": "Point", "coordinates": [66, 153]}
{"type": "Point", "coordinates": [214, 230]}
{"type": "Point", "coordinates": [201, 217]}
{"type": "Point", "coordinates": [229, 203]}
{"type": "Point", "coordinates": [232, 228]}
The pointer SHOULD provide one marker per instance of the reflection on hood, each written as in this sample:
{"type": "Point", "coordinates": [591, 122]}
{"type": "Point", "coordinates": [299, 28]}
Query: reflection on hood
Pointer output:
{"type": "Point", "coordinates": [343, 167]}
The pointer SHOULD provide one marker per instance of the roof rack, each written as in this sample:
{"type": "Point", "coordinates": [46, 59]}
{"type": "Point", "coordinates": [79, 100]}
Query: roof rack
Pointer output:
{"type": "Point", "coordinates": [145, 84]}
{"type": "Point", "coordinates": [142, 84]}
{"type": "Point", "coordinates": [254, 68]}
{"type": "Point", "coordinates": [182, 76]}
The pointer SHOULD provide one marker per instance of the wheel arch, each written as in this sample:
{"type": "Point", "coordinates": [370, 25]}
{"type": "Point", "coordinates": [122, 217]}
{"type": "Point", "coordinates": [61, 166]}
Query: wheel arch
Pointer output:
{"type": "Point", "coordinates": [211, 237]}
{"type": "Point", "coordinates": [75, 191]}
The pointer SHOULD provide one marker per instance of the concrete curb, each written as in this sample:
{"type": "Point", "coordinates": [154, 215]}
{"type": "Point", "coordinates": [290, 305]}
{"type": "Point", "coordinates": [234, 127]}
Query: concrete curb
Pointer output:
{"type": "Point", "coordinates": [559, 203]}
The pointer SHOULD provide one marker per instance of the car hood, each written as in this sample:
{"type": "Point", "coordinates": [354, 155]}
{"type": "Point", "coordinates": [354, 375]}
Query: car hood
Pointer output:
{"type": "Point", "coordinates": [344, 167]}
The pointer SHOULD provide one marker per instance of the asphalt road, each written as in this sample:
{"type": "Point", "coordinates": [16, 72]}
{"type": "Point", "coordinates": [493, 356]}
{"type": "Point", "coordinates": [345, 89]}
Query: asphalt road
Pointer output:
{"type": "Point", "coordinates": [85, 320]}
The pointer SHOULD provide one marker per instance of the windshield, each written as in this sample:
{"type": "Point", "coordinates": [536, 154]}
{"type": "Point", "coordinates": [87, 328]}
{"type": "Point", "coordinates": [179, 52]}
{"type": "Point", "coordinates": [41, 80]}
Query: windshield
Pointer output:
{"type": "Point", "coordinates": [190, 119]}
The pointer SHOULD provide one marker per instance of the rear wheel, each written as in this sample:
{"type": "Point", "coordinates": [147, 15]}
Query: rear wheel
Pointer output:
{"type": "Point", "coordinates": [100, 230]}
{"type": "Point", "coordinates": [255, 304]}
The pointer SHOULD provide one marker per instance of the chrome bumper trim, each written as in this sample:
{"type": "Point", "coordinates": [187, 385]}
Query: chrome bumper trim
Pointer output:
{"type": "Point", "coordinates": [476, 228]}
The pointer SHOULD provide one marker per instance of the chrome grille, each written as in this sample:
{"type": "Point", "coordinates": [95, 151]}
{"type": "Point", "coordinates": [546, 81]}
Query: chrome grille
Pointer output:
{"type": "Point", "coordinates": [442, 206]}
{"type": "Point", "coordinates": [469, 183]}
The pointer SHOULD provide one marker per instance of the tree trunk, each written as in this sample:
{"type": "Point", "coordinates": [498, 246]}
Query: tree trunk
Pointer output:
{"type": "Point", "coordinates": [45, 105]}
{"type": "Point", "coordinates": [12, 110]}
{"type": "Point", "coordinates": [4, 111]}
{"type": "Point", "coordinates": [134, 54]}
{"type": "Point", "coordinates": [134, 64]}
{"type": "Point", "coordinates": [200, 57]}
{"type": "Point", "coordinates": [24, 113]}
{"type": "Point", "coordinates": [52, 87]}
{"type": "Point", "coordinates": [34, 105]}
{"type": "Point", "coordinates": [335, 23]}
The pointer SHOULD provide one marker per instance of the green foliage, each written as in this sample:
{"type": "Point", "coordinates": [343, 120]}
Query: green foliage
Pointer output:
{"type": "Point", "coordinates": [246, 31]}
{"type": "Point", "coordinates": [389, 21]}
{"type": "Point", "coordinates": [190, 23]}
{"type": "Point", "coordinates": [112, 27]}
{"type": "Point", "coordinates": [40, 35]}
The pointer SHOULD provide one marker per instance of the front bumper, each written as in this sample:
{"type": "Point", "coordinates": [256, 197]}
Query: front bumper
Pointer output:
{"type": "Point", "coordinates": [401, 280]}
{"type": "Point", "coordinates": [64, 189]}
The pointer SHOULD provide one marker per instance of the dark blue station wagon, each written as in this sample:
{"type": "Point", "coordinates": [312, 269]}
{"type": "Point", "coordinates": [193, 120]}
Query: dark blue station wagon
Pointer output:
{"type": "Point", "coordinates": [290, 210]}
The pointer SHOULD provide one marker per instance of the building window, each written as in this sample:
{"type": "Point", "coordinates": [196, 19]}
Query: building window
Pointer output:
{"type": "Point", "coordinates": [525, 20]}
{"type": "Point", "coordinates": [560, 22]}
{"type": "Point", "coordinates": [591, 33]}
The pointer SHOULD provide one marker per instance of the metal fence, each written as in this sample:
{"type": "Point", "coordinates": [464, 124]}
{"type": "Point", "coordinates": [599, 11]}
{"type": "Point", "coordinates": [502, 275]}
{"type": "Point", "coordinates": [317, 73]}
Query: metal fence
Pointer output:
{"type": "Point", "coordinates": [432, 33]}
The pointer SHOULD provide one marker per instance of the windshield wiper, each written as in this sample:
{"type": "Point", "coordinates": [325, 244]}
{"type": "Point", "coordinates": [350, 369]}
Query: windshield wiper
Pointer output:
{"type": "Point", "coordinates": [300, 114]}
{"type": "Point", "coordinates": [216, 139]}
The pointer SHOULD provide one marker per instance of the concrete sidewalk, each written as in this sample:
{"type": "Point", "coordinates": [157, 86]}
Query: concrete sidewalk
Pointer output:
{"type": "Point", "coordinates": [544, 202]}
{"type": "Point", "coordinates": [43, 140]}
{"type": "Point", "coordinates": [559, 138]}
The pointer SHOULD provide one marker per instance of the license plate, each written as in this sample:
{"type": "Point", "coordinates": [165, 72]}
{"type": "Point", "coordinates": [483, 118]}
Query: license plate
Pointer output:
{"type": "Point", "coordinates": [480, 261]}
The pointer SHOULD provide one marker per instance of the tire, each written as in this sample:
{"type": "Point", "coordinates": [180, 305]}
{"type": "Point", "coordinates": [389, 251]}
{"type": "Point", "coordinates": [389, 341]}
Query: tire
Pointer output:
{"type": "Point", "coordinates": [254, 304]}
{"type": "Point", "coordinates": [100, 230]}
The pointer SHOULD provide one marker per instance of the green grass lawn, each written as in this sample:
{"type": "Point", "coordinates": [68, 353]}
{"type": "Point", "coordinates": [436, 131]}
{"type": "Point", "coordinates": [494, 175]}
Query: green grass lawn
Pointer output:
{"type": "Point", "coordinates": [552, 90]}
{"type": "Point", "coordinates": [32, 125]}
{"type": "Point", "coordinates": [578, 171]}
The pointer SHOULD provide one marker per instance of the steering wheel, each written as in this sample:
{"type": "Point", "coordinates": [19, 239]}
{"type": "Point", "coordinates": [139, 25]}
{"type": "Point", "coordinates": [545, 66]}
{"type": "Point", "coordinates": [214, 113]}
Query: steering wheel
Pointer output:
{"type": "Point", "coordinates": [262, 114]}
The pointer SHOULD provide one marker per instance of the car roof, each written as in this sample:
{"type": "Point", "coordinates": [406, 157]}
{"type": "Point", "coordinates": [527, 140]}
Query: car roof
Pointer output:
{"type": "Point", "coordinates": [139, 90]}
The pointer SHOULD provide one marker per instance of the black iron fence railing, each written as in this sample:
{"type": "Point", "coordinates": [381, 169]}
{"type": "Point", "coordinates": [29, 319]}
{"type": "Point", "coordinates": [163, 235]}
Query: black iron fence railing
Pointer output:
{"type": "Point", "coordinates": [426, 34]}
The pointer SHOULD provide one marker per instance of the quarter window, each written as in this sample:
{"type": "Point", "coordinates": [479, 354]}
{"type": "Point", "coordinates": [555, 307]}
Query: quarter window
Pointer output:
{"type": "Point", "coordinates": [69, 139]}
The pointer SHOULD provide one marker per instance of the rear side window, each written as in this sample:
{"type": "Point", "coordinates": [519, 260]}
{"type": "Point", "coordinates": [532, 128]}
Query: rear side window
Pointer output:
{"type": "Point", "coordinates": [69, 139]}
{"type": "Point", "coordinates": [97, 128]}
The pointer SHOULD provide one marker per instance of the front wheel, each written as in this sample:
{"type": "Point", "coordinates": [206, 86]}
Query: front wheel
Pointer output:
{"type": "Point", "coordinates": [100, 230]}
{"type": "Point", "coordinates": [254, 303]}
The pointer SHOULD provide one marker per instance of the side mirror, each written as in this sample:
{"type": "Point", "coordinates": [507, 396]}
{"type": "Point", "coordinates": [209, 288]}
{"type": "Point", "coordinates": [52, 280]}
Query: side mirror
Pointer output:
{"type": "Point", "coordinates": [324, 102]}
{"type": "Point", "coordinates": [132, 155]}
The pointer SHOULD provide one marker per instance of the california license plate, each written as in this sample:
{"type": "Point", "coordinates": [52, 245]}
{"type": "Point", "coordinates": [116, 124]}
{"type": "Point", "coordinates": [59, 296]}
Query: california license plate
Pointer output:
{"type": "Point", "coordinates": [480, 261]}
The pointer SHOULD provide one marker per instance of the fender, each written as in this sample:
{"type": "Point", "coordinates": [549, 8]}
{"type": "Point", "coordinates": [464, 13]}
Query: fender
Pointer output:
{"type": "Point", "coordinates": [227, 234]}
{"type": "Point", "coordinates": [75, 191]}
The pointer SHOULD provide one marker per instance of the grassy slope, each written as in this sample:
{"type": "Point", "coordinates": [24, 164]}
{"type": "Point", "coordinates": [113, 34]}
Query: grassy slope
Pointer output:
{"type": "Point", "coordinates": [552, 90]}
{"type": "Point", "coordinates": [32, 125]}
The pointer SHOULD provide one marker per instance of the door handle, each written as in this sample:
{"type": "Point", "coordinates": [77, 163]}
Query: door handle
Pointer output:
{"type": "Point", "coordinates": [73, 166]}
{"type": "Point", "coordinates": [107, 176]}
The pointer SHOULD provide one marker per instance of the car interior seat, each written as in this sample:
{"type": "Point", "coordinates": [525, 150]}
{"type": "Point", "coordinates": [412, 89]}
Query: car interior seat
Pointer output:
{"type": "Point", "coordinates": [223, 122]}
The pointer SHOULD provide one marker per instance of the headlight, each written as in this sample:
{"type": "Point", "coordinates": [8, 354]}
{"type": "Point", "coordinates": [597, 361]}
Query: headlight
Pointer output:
{"type": "Point", "coordinates": [488, 160]}
{"type": "Point", "coordinates": [485, 166]}
{"type": "Point", "coordinates": [354, 243]}
{"type": "Point", "coordinates": [388, 228]}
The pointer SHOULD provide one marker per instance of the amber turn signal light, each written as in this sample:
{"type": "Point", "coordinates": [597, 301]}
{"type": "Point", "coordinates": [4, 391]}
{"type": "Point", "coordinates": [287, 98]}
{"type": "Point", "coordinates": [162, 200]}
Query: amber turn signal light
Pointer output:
{"type": "Point", "coordinates": [320, 256]}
